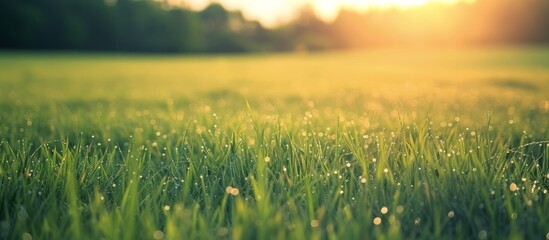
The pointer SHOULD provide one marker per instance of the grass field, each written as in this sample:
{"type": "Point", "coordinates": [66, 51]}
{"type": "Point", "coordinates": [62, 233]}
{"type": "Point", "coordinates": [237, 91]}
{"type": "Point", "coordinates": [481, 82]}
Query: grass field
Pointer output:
{"type": "Point", "coordinates": [381, 144]}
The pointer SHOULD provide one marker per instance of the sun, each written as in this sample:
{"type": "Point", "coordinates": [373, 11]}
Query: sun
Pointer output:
{"type": "Point", "coordinates": [328, 9]}
{"type": "Point", "coordinates": [393, 3]}
{"type": "Point", "coordinates": [272, 13]}
{"type": "Point", "coordinates": [398, 3]}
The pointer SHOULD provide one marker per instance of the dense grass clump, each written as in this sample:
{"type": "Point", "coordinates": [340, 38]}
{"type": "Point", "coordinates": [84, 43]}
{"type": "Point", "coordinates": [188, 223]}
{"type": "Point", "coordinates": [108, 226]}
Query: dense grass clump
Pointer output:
{"type": "Point", "coordinates": [332, 146]}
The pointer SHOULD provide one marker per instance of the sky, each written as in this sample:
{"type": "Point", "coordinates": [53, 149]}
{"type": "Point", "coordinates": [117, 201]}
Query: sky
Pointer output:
{"type": "Point", "coordinates": [273, 12]}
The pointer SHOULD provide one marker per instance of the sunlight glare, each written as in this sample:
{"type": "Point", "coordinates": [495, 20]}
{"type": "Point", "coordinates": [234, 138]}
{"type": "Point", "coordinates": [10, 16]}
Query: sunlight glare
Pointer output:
{"type": "Point", "coordinates": [329, 9]}
{"type": "Point", "coordinates": [272, 13]}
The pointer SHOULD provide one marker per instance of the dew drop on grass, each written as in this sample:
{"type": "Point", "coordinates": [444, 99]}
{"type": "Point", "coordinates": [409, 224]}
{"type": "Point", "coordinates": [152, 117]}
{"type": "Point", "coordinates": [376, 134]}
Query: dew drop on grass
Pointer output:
{"type": "Point", "coordinates": [232, 191]}
{"type": "Point", "coordinates": [451, 214]}
{"type": "Point", "coordinates": [482, 234]}
{"type": "Point", "coordinates": [363, 180]}
{"type": "Point", "coordinates": [267, 159]}
{"type": "Point", "coordinates": [167, 208]}
{"type": "Point", "coordinates": [384, 210]}
{"type": "Point", "coordinates": [235, 192]}
{"type": "Point", "coordinates": [400, 209]}
{"type": "Point", "coordinates": [158, 234]}
{"type": "Point", "coordinates": [26, 236]}
{"type": "Point", "coordinates": [377, 220]}
{"type": "Point", "coordinates": [513, 187]}
{"type": "Point", "coordinates": [222, 231]}
{"type": "Point", "coordinates": [315, 223]}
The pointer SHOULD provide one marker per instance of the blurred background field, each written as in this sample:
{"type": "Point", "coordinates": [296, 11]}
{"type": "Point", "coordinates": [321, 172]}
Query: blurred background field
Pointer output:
{"type": "Point", "coordinates": [391, 84]}
{"type": "Point", "coordinates": [386, 73]}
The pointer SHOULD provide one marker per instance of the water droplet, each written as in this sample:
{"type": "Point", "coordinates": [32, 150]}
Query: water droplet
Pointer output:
{"type": "Point", "coordinates": [26, 236]}
{"type": "Point", "coordinates": [400, 209]}
{"type": "Point", "coordinates": [222, 231]}
{"type": "Point", "coordinates": [158, 234]}
{"type": "Point", "coordinates": [232, 191]}
{"type": "Point", "coordinates": [451, 214]}
{"type": "Point", "coordinates": [482, 234]}
{"type": "Point", "coordinates": [384, 210]}
{"type": "Point", "coordinates": [267, 159]}
{"type": "Point", "coordinates": [235, 191]}
{"type": "Point", "coordinates": [513, 187]}
{"type": "Point", "coordinates": [315, 223]}
{"type": "Point", "coordinates": [377, 220]}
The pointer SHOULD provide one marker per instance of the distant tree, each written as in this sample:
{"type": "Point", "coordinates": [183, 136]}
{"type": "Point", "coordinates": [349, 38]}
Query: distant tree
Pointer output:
{"type": "Point", "coordinates": [311, 33]}
{"type": "Point", "coordinates": [217, 30]}
{"type": "Point", "coordinates": [349, 29]}
{"type": "Point", "coordinates": [19, 23]}
{"type": "Point", "coordinates": [214, 17]}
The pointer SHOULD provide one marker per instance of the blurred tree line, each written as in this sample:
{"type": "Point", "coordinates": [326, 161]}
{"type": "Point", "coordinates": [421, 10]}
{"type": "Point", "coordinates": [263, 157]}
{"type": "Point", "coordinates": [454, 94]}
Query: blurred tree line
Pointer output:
{"type": "Point", "coordinates": [125, 25]}
{"type": "Point", "coordinates": [155, 26]}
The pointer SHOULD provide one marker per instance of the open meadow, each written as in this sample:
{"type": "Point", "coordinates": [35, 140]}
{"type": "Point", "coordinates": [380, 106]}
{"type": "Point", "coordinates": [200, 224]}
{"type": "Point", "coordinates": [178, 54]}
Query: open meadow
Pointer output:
{"type": "Point", "coordinates": [379, 144]}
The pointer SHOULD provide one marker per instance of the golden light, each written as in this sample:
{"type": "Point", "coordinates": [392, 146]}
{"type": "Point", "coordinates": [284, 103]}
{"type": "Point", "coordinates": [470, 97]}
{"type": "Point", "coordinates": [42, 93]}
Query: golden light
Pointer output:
{"type": "Point", "coordinates": [328, 9]}
{"type": "Point", "coordinates": [272, 13]}
{"type": "Point", "coordinates": [392, 3]}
